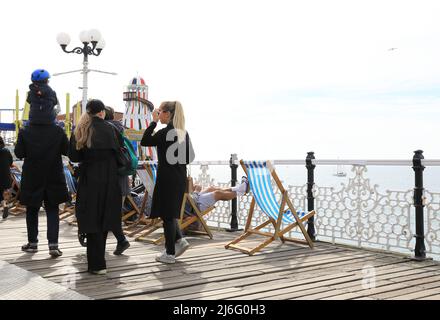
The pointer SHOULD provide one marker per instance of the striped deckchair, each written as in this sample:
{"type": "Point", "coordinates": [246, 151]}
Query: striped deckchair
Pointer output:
{"type": "Point", "coordinates": [15, 207]}
{"type": "Point", "coordinates": [69, 207]}
{"type": "Point", "coordinates": [282, 219]}
{"type": "Point", "coordinates": [144, 226]}
{"type": "Point", "coordinates": [184, 221]}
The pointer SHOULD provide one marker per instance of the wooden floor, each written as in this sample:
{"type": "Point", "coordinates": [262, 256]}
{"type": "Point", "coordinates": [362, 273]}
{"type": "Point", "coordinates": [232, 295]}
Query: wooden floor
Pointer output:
{"type": "Point", "coordinates": [208, 271]}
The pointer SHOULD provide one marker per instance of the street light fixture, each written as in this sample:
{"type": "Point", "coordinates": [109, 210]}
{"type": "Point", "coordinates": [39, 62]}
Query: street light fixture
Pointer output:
{"type": "Point", "coordinates": [93, 44]}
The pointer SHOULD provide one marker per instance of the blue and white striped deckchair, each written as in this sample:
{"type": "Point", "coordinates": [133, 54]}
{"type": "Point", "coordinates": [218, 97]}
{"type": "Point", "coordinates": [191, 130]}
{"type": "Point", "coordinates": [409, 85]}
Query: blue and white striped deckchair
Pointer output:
{"type": "Point", "coordinates": [259, 174]}
{"type": "Point", "coordinates": [147, 175]}
{"type": "Point", "coordinates": [152, 169]}
{"type": "Point", "coordinates": [69, 207]}
{"type": "Point", "coordinates": [16, 208]}
{"type": "Point", "coordinates": [143, 227]}
{"type": "Point", "coordinates": [70, 181]}
{"type": "Point", "coordinates": [16, 176]}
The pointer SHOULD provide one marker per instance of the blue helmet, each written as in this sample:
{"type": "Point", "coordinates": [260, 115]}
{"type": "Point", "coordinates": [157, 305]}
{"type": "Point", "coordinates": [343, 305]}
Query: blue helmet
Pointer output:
{"type": "Point", "coordinates": [39, 75]}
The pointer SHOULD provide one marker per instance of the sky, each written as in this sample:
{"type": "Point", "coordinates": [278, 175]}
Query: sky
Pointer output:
{"type": "Point", "coordinates": [263, 79]}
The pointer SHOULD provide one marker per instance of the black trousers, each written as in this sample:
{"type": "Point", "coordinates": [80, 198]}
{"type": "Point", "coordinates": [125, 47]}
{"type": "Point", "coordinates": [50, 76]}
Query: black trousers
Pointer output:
{"type": "Point", "coordinates": [119, 235]}
{"type": "Point", "coordinates": [53, 224]}
{"type": "Point", "coordinates": [96, 251]}
{"type": "Point", "coordinates": [172, 234]}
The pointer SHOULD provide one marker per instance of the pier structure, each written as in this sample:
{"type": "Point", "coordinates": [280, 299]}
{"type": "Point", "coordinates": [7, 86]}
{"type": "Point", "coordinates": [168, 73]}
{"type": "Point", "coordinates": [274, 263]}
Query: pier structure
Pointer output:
{"type": "Point", "coordinates": [138, 115]}
{"type": "Point", "coordinates": [369, 244]}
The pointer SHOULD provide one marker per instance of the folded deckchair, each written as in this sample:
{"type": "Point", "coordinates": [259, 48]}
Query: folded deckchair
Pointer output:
{"type": "Point", "coordinates": [282, 219]}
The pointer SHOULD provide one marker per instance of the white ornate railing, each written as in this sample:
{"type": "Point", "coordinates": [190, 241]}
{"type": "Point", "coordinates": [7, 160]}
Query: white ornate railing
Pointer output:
{"type": "Point", "coordinates": [356, 213]}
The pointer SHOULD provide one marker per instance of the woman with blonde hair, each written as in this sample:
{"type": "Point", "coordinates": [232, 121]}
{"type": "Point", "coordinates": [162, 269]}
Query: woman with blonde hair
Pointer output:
{"type": "Point", "coordinates": [174, 151]}
{"type": "Point", "coordinates": [95, 145]}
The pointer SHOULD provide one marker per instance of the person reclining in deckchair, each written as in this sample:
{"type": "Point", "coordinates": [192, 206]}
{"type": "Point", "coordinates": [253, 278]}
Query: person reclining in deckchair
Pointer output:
{"type": "Point", "coordinates": [208, 197]}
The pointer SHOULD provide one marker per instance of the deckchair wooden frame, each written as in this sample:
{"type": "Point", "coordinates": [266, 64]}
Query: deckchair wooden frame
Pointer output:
{"type": "Point", "coordinates": [141, 218]}
{"type": "Point", "coordinates": [16, 208]}
{"type": "Point", "coordinates": [147, 225]}
{"type": "Point", "coordinates": [186, 222]}
{"type": "Point", "coordinates": [278, 233]}
{"type": "Point", "coordinates": [68, 210]}
{"type": "Point", "coordinates": [183, 222]}
{"type": "Point", "coordinates": [135, 210]}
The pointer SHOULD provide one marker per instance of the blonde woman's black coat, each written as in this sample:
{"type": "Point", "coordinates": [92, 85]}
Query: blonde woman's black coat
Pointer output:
{"type": "Point", "coordinates": [171, 175]}
{"type": "Point", "coordinates": [98, 199]}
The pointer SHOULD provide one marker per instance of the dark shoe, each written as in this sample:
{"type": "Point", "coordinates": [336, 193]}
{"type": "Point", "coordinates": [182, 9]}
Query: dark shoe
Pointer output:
{"type": "Point", "coordinates": [5, 212]}
{"type": "Point", "coordinates": [82, 238]}
{"type": "Point", "coordinates": [120, 248]}
{"type": "Point", "coordinates": [244, 179]}
{"type": "Point", "coordinates": [55, 252]}
{"type": "Point", "coordinates": [31, 248]}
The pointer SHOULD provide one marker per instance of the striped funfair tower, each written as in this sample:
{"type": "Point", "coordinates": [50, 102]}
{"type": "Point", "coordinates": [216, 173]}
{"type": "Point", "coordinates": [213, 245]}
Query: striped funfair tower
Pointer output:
{"type": "Point", "coordinates": [138, 115]}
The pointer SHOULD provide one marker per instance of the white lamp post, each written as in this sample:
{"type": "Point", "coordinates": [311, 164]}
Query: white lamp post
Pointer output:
{"type": "Point", "coordinates": [93, 44]}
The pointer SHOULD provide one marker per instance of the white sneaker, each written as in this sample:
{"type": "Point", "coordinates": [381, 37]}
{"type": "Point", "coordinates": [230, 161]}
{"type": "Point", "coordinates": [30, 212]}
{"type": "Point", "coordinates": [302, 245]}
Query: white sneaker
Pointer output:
{"type": "Point", "coordinates": [181, 246]}
{"type": "Point", "coordinates": [99, 272]}
{"type": "Point", "coordinates": [166, 258]}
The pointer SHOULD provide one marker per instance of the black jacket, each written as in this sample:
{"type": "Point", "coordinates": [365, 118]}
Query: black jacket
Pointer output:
{"type": "Point", "coordinates": [98, 199]}
{"type": "Point", "coordinates": [41, 146]}
{"type": "Point", "coordinates": [42, 100]}
{"type": "Point", "coordinates": [171, 174]}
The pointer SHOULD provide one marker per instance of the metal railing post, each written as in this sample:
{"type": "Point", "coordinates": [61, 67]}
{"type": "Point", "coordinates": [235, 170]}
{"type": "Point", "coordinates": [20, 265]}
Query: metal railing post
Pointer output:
{"type": "Point", "coordinates": [233, 164]}
{"type": "Point", "coordinates": [310, 199]}
{"type": "Point", "coordinates": [420, 250]}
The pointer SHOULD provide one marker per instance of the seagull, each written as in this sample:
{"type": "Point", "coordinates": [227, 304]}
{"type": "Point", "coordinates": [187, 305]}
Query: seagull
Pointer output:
{"type": "Point", "coordinates": [391, 49]}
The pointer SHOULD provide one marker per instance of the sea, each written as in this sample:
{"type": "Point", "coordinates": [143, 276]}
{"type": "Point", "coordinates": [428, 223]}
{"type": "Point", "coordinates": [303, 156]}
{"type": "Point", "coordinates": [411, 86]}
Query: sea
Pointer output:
{"type": "Point", "coordinates": [394, 178]}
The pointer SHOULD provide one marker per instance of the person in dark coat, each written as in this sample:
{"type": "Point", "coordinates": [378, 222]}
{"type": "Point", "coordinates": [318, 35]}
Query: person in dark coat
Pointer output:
{"type": "Point", "coordinates": [123, 243]}
{"type": "Point", "coordinates": [95, 145]}
{"type": "Point", "coordinates": [5, 173]}
{"type": "Point", "coordinates": [174, 151]}
{"type": "Point", "coordinates": [42, 180]}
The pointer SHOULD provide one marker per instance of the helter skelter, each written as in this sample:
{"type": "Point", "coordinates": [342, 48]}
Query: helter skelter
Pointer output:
{"type": "Point", "coordinates": [138, 115]}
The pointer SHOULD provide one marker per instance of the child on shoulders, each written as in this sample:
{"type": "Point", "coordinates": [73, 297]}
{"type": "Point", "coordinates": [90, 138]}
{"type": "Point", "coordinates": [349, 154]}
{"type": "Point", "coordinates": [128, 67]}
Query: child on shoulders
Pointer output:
{"type": "Point", "coordinates": [42, 99]}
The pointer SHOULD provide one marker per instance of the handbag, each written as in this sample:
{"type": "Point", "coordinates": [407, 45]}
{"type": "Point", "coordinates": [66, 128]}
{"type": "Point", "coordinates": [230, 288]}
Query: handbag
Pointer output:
{"type": "Point", "coordinates": [124, 162]}
{"type": "Point", "coordinates": [126, 158]}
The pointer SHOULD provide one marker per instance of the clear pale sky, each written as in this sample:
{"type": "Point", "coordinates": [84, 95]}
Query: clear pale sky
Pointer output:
{"type": "Point", "coordinates": [264, 79]}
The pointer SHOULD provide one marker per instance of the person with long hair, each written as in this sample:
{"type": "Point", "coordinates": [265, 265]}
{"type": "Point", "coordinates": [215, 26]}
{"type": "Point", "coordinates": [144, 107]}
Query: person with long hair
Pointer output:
{"type": "Point", "coordinates": [95, 145]}
{"type": "Point", "coordinates": [174, 150]}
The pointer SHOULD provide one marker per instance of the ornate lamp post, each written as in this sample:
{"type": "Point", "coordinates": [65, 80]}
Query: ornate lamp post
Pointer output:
{"type": "Point", "coordinates": [93, 44]}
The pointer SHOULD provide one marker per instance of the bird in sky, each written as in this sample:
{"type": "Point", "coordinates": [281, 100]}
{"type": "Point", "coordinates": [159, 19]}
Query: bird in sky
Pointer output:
{"type": "Point", "coordinates": [391, 49]}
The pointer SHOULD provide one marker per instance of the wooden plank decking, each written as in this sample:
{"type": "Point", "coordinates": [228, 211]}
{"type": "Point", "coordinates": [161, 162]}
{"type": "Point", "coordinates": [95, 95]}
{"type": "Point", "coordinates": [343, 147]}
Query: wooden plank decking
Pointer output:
{"type": "Point", "coordinates": [208, 271]}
